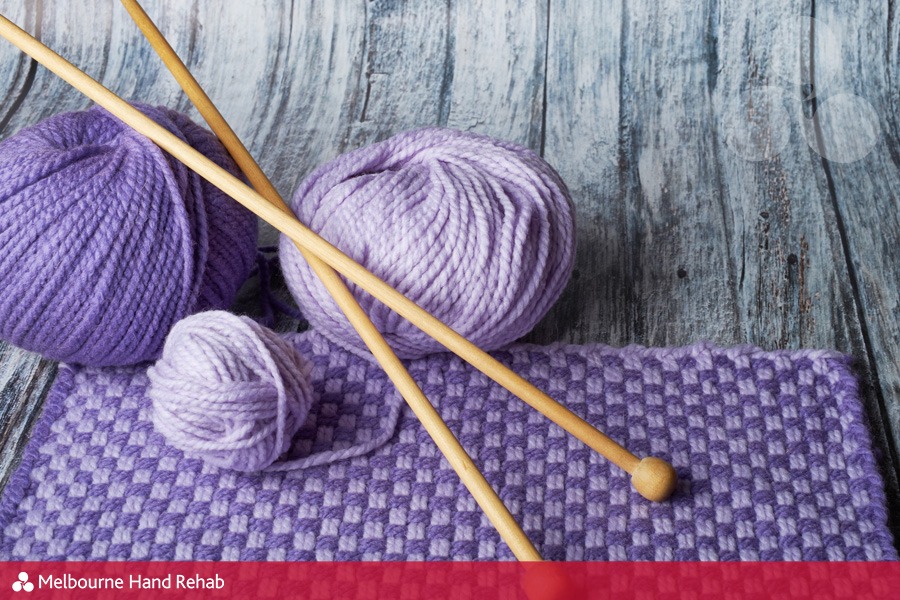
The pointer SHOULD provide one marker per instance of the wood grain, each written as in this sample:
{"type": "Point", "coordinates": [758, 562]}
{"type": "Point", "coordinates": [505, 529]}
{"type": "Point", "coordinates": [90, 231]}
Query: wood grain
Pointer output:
{"type": "Point", "coordinates": [688, 228]}
{"type": "Point", "coordinates": [863, 194]}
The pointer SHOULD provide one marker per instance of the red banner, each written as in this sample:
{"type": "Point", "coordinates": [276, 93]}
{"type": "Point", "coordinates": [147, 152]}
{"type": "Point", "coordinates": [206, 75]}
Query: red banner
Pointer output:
{"type": "Point", "coordinates": [450, 581]}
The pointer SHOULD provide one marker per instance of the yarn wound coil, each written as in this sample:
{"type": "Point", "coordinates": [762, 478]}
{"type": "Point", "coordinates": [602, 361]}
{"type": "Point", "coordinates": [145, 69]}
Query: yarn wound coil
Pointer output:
{"type": "Point", "coordinates": [229, 391]}
{"type": "Point", "coordinates": [477, 231]}
{"type": "Point", "coordinates": [107, 241]}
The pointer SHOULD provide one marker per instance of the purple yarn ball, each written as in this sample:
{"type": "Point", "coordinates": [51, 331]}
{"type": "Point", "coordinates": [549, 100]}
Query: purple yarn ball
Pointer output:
{"type": "Point", "coordinates": [479, 232]}
{"type": "Point", "coordinates": [229, 391]}
{"type": "Point", "coordinates": [107, 241]}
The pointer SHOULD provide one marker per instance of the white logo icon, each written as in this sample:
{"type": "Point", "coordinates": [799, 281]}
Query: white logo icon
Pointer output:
{"type": "Point", "coordinates": [22, 585]}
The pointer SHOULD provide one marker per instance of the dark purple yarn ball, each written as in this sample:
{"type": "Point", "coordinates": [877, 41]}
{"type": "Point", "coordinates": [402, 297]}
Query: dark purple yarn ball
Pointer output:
{"type": "Point", "coordinates": [106, 241]}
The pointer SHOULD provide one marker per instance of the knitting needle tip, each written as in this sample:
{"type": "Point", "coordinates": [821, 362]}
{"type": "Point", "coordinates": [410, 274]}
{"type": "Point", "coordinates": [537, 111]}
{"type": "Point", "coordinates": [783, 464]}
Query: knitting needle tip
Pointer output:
{"type": "Point", "coordinates": [654, 479]}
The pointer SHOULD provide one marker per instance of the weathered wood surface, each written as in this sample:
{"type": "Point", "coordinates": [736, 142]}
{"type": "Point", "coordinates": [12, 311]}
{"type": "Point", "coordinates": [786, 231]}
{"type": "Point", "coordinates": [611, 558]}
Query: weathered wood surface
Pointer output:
{"type": "Point", "coordinates": [714, 200]}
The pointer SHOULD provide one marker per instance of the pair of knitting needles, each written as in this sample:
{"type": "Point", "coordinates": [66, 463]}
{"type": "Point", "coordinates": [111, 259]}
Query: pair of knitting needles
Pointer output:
{"type": "Point", "coordinates": [653, 478]}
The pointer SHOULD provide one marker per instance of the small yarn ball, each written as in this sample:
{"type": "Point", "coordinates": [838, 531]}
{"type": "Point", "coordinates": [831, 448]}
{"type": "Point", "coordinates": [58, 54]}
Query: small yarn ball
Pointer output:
{"type": "Point", "coordinates": [229, 391]}
{"type": "Point", "coordinates": [479, 232]}
{"type": "Point", "coordinates": [107, 241]}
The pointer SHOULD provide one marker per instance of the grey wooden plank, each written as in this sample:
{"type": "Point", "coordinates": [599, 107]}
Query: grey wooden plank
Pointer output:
{"type": "Point", "coordinates": [794, 289]}
{"type": "Point", "coordinates": [25, 379]}
{"type": "Point", "coordinates": [407, 55]}
{"type": "Point", "coordinates": [496, 70]}
{"type": "Point", "coordinates": [78, 32]}
{"type": "Point", "coordinates": [16, 70]}
{"type": "Point", "coordinates": [627, 115]}
{"type": "Point", "coordinates": [581, 139]}
{"type": "Point", "coordinates": [854, 128]}
{"type": "Point", "coordinates": [308, 107]}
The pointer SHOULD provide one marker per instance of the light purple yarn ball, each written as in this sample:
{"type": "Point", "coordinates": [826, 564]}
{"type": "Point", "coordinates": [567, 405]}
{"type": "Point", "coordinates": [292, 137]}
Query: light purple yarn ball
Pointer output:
{"type": "Point", "coordinates": [229, 391]}
{"type": "Point", "coordinates": [478, 232]}
{"type": "Point", "coordinates": [107, 241]}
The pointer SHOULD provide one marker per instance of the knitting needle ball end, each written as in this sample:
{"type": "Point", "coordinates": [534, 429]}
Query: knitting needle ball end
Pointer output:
{"type": "Point", "coordinates": [654, 479]}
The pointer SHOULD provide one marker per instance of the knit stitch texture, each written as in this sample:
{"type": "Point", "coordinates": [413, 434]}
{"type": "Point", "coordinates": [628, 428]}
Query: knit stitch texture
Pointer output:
{"type": "Point", "coordinates": [774, 459]}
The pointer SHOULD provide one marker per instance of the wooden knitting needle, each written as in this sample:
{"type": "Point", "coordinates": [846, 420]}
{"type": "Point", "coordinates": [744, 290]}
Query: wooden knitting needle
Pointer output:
{"type": "Point", "coordinates": [653, 478]}
{"type": "Point", "coordinates": [446, 442]}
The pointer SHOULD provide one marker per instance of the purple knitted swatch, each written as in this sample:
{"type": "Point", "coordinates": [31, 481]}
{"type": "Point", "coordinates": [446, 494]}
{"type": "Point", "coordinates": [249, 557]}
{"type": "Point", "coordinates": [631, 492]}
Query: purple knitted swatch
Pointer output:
{"type": "Point", "coordinates": [772, 450]}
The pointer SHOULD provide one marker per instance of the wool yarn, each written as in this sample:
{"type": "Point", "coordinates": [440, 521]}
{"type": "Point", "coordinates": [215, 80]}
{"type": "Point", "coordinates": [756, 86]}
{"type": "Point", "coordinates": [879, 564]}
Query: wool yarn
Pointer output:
{"type": "Point", "coordinates": [107, 241]}
{"type": "Point", "coordinates": [229, 391]}
{"type": "Point", "coordinates": [477, 231]}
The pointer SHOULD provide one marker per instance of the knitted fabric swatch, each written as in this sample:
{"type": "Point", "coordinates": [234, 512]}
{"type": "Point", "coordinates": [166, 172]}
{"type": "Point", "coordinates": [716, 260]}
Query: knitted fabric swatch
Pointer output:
{"type": "Point", "coordinates": [774, 459]}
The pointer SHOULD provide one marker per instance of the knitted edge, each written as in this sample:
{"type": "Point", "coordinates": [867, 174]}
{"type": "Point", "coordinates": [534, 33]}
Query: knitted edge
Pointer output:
{"type": "Point", "coordinates": [659, 352]}
{"type": "Point", "coordinates": [18, 482]}
{"type": "Point", "coordinates": [846, 391]}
